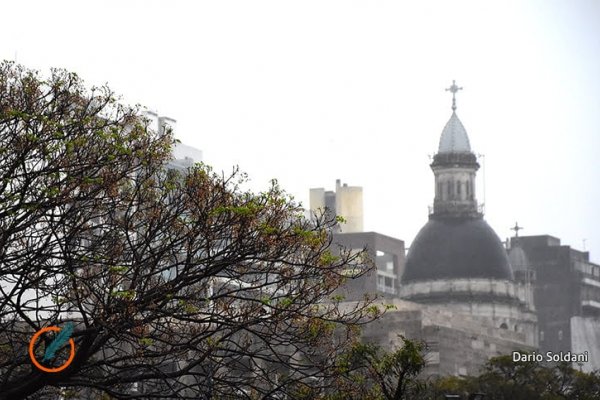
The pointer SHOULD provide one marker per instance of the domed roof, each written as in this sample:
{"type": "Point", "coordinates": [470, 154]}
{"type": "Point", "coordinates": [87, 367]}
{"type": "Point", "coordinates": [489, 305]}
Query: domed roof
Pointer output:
{"type": "Point", "coordinates": [454, 137]}
{"type": "Point", "coordinates": [518, 259]}
{"type": "Point", "coordinates": [456, 248]}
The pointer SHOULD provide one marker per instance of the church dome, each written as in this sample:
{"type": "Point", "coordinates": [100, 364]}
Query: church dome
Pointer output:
{"type": "Point", "coordinates": [456, 248]}
{"type": "Point", "coordinates": [454, 137]}
{"type": "Point", "coordinates": [518, 259]}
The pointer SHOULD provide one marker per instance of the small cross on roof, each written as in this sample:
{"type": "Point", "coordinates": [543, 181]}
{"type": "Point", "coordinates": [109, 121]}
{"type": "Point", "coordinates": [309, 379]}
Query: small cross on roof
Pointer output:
{"type": "Point", "coordinates": [516, 228]}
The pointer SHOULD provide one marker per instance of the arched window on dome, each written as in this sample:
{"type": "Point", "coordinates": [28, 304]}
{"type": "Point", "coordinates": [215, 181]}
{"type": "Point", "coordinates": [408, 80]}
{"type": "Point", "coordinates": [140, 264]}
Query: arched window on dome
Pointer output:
{"type": "Point", "coordinates": [458, 187]}
{"type": "Point", "coordinates": [467, 189]}
{"type": "Point", "coordinates": [450, 187]}
{"type": "Point", "coordinates": [503, 326]}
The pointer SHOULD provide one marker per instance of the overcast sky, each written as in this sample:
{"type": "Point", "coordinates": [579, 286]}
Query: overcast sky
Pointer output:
{"type": "Point", "coordinates": [311, 91]}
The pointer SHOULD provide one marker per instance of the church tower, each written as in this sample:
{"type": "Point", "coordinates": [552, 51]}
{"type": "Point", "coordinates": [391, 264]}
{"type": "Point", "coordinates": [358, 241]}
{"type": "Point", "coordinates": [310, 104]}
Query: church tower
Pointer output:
{"type": "Point", "coordinates": [456, 243]}
{"type": "Point", "coordinates": [454, 167]}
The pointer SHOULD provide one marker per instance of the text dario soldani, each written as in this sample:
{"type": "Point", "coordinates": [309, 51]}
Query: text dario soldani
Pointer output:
{"type": "Point", "coordinates": [551, 356]}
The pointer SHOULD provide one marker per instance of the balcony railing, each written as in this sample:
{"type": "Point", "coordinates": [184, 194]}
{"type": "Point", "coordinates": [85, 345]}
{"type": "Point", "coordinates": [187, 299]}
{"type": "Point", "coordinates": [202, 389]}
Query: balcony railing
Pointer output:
{"type": "Point", "coordinates": [386, 289]}
{"type": "Point", "coordinates": [456, 208]}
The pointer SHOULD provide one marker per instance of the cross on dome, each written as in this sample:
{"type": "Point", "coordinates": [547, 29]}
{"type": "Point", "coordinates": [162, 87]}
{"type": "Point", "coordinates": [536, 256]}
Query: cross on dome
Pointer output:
{"type": "Point", "coordinates": [453, 89]}
{"type": "Point", "coordinates": [454, 137]}
{"type": "Point", "coordinates": [516, 228]}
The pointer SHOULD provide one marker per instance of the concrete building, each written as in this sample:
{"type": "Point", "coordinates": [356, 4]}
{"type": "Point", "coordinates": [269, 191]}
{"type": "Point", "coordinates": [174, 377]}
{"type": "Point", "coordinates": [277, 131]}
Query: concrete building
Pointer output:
{"type": "Point", "coordinates": [184, 156]}
{"type": "Point", "coordinates": [388, 254]}
{"type": "Point", "coordinates": [346, 201]}
{"type": "Point", "coordinates": [566, 293]}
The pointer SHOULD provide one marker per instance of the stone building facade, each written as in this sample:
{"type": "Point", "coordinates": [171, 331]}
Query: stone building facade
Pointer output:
{"type": "Point", "coordinates": [458, 343]}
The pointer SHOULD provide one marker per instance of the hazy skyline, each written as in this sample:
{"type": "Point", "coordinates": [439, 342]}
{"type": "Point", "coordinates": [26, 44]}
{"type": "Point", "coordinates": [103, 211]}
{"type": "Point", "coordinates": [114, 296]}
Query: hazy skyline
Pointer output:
{"type": "Point", "coordinates": [309, 92]}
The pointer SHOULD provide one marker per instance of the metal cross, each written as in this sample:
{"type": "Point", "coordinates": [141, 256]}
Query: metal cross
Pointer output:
{"type": "Point", "coordinates": [516, 228]}
{"type": "Point", "coordinates": [453, 89]}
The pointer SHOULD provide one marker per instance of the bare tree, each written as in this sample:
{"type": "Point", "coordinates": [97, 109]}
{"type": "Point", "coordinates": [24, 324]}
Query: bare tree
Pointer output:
{"type": "Point", "coordinates": [178, 285]}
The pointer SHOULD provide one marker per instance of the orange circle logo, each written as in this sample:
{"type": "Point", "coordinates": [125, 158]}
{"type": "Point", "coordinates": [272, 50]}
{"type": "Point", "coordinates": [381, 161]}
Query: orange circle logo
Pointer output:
{"type": "Point", "coordinates": [35, 361]}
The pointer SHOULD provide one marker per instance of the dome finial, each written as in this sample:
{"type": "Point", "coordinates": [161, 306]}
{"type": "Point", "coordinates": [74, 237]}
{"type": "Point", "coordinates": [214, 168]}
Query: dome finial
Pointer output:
{"type": "Point", "coordinates": [453, 89]}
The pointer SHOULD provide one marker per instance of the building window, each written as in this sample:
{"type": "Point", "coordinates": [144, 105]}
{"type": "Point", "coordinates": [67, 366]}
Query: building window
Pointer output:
{"type": "Point", "coordinates": [503, 326]}
{"type": "Point", "coordinates": [458, 185]}
{"type": "Point", "coordinates": [386, 284]}
{"type": "Point", "coordinates": [433, 358]}
{"type": "Point", "coordinates": [439, 190]}
{"type": "Point", "coordinates": [467, 188]}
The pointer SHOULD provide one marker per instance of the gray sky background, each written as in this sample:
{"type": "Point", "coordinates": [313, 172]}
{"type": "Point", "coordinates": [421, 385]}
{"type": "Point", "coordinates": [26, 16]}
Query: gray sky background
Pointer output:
{"type": "Point", "coordinates": [310, 91]}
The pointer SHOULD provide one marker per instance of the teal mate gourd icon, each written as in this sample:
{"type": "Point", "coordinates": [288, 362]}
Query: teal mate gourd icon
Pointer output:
{"type": "Point", "coordinates": [59, 341]}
